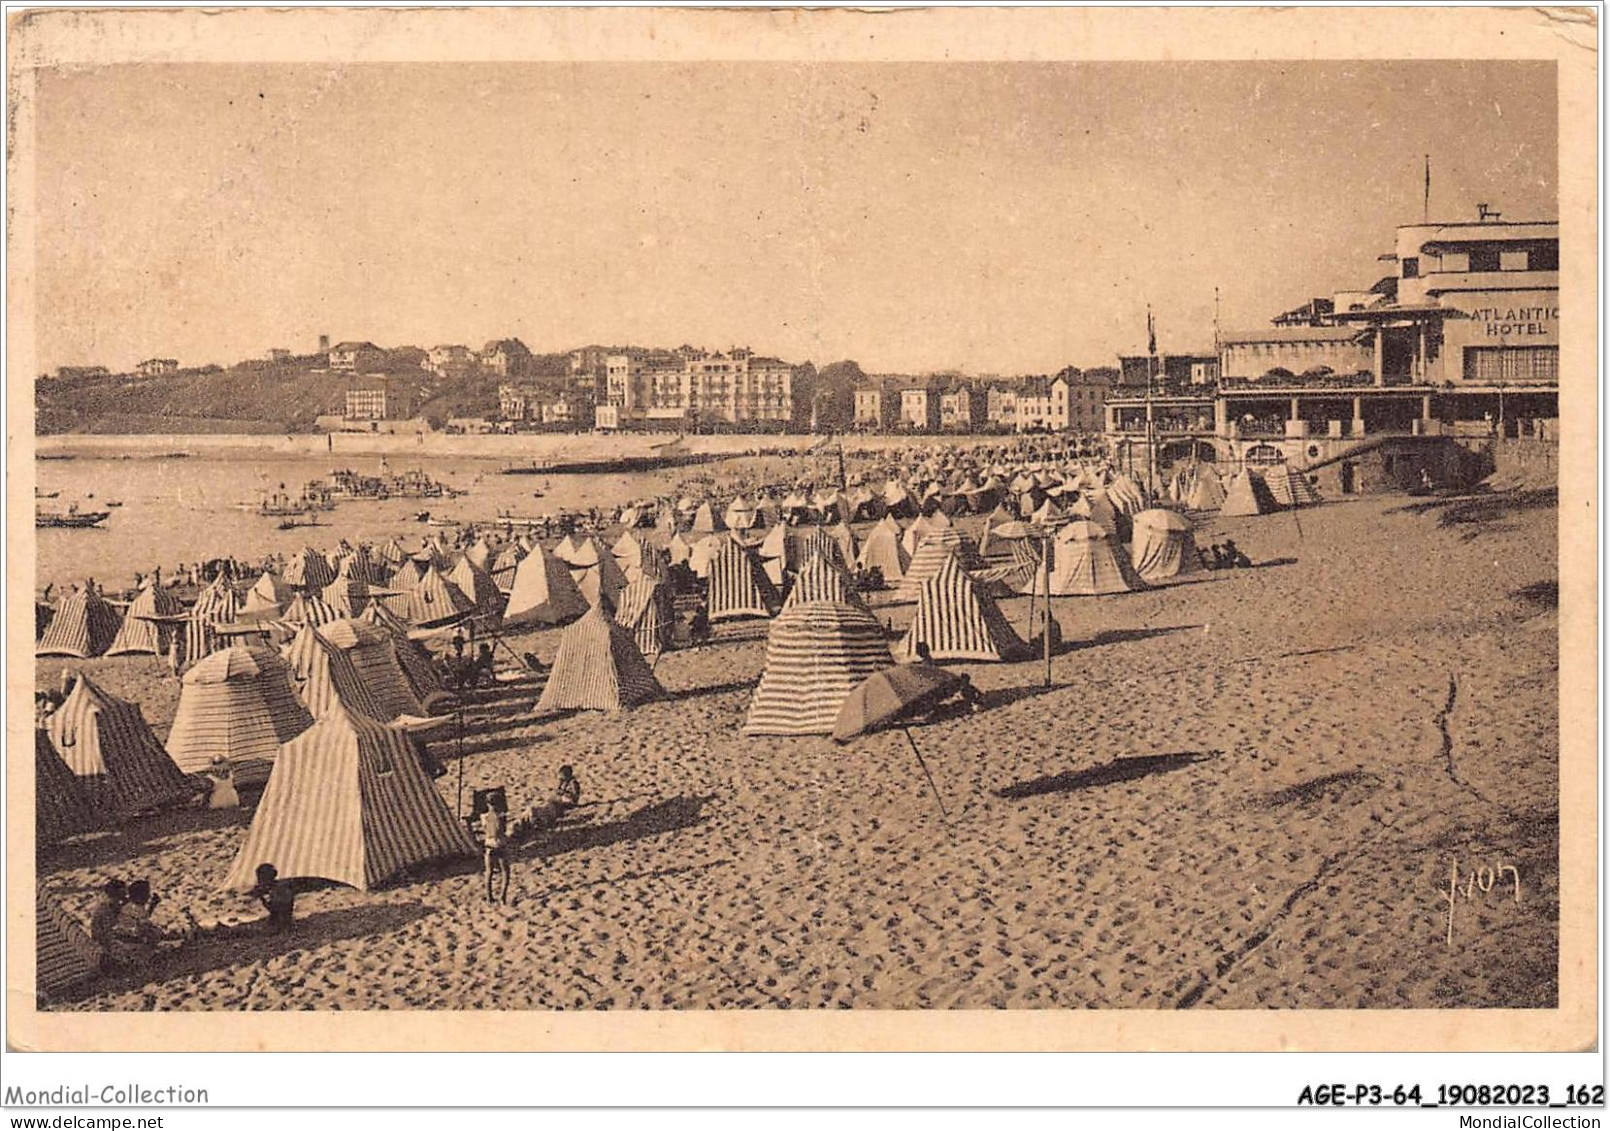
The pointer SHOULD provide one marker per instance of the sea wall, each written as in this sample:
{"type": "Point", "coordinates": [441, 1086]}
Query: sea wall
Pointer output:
{"type": "Point", "coordinates": [510, 449]}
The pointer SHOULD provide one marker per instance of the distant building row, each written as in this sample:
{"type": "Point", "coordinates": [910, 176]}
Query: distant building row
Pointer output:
{"type": "Point", "coordinates": [1034, 404]}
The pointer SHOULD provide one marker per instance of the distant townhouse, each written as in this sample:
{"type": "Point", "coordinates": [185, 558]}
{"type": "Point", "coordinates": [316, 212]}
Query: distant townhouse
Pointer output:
{"type": "Point", "coordinates": [157, 366]}
{"type": "Point", "coordinates": [1034, 405]}
{"type": "Point", "coordinates": [876, 407]}
{"type": "Point", "coordinates": [514, 403]}
{"type": "Point", "coordinates": [919, 407]}
{"type": "Point", "coordinates": [506, 357]}
{"type": "Point", "coordinates": [377, 401]}
{"type": "Point", "coordinates": [356, 357]}
{"type": "Point", "coordinates": [1087, 398]}
{"type": "Point", "coordinates": [963, 408]}
{"type": "Point", "coordinates": [1001, 406]}
{"type": "Point", "coordinates": [450, 361]}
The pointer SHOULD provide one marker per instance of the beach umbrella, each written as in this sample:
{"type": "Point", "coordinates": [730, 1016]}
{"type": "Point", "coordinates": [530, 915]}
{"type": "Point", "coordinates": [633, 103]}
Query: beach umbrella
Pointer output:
{"type": "Point", "coordinates": [895, 693]}
{"type": "Point", "coordinates": [236, 704]}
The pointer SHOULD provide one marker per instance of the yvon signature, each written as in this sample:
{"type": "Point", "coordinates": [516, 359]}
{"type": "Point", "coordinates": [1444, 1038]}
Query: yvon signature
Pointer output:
{"type": "Point", "coordinates": [1478, 883]}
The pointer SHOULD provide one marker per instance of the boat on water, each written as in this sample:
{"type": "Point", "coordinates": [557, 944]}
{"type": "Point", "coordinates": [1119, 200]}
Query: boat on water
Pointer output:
{"type": "Point", "coordinates": [70, 519]}
{"type": "Point", "coordinates": [350, 485]}
{"type": "Point", "coordinates": [55, 455]}
{"type": "Point", "coordinates": [38, 494]}
{"type": "Point", "coordinates": [297, 523]}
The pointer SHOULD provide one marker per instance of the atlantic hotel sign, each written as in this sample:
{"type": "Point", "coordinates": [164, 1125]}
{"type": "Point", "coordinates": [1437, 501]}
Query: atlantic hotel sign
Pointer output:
{"type": "Point", "coordinates": [1515, 322]}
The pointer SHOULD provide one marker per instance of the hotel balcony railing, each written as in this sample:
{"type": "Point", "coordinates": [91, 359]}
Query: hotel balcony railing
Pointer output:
{"type": "Point", "coordinates": [1167, 427]}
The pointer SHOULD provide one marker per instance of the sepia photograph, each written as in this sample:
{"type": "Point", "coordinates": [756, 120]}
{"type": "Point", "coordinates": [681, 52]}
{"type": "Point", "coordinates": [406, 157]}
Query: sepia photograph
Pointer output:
{"type": "Point", "coordinates": [734, 536]}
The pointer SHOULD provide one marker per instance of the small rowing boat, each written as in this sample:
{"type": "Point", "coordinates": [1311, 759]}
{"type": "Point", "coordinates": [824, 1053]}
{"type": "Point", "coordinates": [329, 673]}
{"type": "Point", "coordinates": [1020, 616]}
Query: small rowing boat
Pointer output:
{"type": "Point", "coordinates": [70, 520]}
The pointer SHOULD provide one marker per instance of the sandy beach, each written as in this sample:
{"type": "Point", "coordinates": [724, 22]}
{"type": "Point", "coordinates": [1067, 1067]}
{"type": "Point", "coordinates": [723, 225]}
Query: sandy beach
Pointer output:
{"type": "Point", "coordinates": [1242, 791]}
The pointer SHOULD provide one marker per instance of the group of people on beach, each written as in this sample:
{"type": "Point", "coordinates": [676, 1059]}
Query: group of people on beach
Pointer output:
{"type": "Point", "coordinates": [489, 821]}
{"type": "Point", "coordinates": [1223, 556]}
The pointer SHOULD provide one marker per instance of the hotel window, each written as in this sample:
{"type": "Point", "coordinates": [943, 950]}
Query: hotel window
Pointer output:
{"type": "Point", "coordinates": [1484, 259]}
{"type": "Point", "coordinates": [1545, 258]}
{"type": "Point", "coordinates": [1411, 268]}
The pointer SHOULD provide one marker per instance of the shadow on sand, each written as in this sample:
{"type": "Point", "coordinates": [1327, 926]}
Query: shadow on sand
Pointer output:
{"type": "Point", "coordinates": [1122, 636]}
{"type": "Point", "coordinates": [222, 948]}
{"type": "Point", "coordinates": [651, 820]}
{"type": "Point", "coordinates": [1118, 770]}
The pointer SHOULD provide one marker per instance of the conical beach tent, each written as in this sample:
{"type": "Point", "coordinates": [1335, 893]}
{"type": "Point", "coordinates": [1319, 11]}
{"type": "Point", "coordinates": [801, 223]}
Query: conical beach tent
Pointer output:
{"type": "Point", "coordinates": [882, 551]}
{"type": "Point", "coordinates": [1247, 494]}
{"type": "Point", "coordinates": [347, 802]}
{"type": "Point", "coordinates": [141, 635]}
{"type": "Point", "coordinates": [62, 808]}
{"type": "Point", "coordinates": [324, 677]}
{"type": "Point", "coordinates": [308, 569]}
{"type": "Point", "coordinates": [957, 620]}
{"type": "Point", "coordinates": [108, 746]}
{"type": "Point", "coordinates": [738, 587]}
{"type": "Point", "coordinates": [1163, 546]}
{"type": "Point", "coordinates": [1291, 488]}
{"type": "Point", "coordinates": [84, 626]}
{"type": "Point", "coordinates": [599, 668]}
{"type": "Point", "coordinates": [596, 575]}
{"type": "Point", "coordinates": [646, 612]}
{"type": "Point", "coordinates": [819, 579]}
{"type": "Point", "coordinates": [236, 704]}
{"type": "Point", "coordinates": [816, 652]}
{"type": "Point", "coordinates": [432, 600]}
{"type": "Point", "coordinates": [935, 549]}
{"type": "Point", "coordinates": [375, 657]}
{"type": "Point", "coordinates": [544, 592]}
{"type": "Point", "coordinates": [1207, 490]}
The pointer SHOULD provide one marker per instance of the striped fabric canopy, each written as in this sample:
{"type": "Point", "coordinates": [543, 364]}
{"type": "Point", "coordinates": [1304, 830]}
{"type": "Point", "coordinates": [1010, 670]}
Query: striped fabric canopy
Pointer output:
{"type": "Point", "coordinates": [819, 579]}
{"type": "Point", "coordinates": [817, 541]}
{"type": "Point", "coordinates": [62, 808]}
{"type": "Point", "coordinates": [936, 548]}
{"type": "Point", "coordinates": [67, 956]}
{"type": "Point", "coordinates": [84, 626]}
{"type": "Point", "coordinates": [217, 604]}
{"type": "Point", "coordinates": [308, 569]}
{"type": "Point", "coordinates": [476, 584]}
{"type": "Point", "coordinates": [324, 677]}
{"type": "Point", "coordinates": [347, 595]}
{"type": "Point", "coordinates": [305, 610]}
{"type": "Point", "coordinates": [107, 744]}
{"type": "Point", "coordinates": [347, 802]}
{"type": "Point", "coordinates": [236, 704]}
{"type": "Point", "coordinates": [599, 668]}
{"type": "Point", "coordinates": [505, 563]}
{"type": "Point", "coordinates": [816, 652]}
{"type": "Point", "coordinates": [882, 551]}
{"type": "Point", "coordinates": [1291, 488]}
{"type": "Point", "coordinates": [647, 613]}
{"type": "Point", "coordinates": [957, 620]}
{"type": "Point", "coordinates": [423, 676]}
{"type": "Point", "coordinates": [373, 654]}
{"type": "Point", "coordinates": [141, 635]}
{"type": "Point", "coordinates": [431, 600]}
{"type": "Point", "coordinates": [737, 585]}
{"type": "Point", "coordinates": [543, 592]}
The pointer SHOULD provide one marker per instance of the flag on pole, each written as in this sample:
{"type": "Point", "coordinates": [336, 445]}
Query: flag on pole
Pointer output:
{"type": "Point", "coordinates": [1151, 333]}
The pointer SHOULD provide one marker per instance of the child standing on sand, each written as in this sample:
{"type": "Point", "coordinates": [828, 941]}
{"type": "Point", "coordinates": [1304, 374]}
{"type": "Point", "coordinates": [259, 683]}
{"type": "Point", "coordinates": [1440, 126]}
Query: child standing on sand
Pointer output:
{"type": "Point", "coordinates": [495, 845]}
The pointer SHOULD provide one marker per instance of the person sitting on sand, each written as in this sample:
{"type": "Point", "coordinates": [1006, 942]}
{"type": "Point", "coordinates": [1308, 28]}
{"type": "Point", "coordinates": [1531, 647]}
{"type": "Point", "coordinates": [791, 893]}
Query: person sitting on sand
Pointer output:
{"type": "Point", "coordinates": [134, 936]}
{"type": "Point", "coordinates": [495, 844]}
{"type": "Point", "coordinates": [278, 898]}
{"type": "Point", "coordinates": [1203, 559]}
{"type": "Point", "coordinates": [699, 627]}
{"type": "Point", "coordinates": [1219, 560]}
{"type": "Point", "coordinates": [103, 916]}
{"type": "Point", "coordinates": [1236, 558]}
{"type": "Point", "coordinates": [223, 794]}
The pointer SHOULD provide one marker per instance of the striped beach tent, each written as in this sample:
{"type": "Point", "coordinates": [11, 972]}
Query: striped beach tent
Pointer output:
{"type": "Point", "coordinates": [308, 610]}
{"type": "Point", "coordinates": [376, 657]}
{"type": "Point", "coordinates": [1163, 545]}
{"type": "Point", "coordinates": [1246, 494]}
{"type": "Point", "coordinates": [432, 600]}
{"type": "Point", "coordinates": [596, 574]}
{"type": "Point", "coordinates": [236, 704]}
{"type": "Point", "coordinates": [1291, 488]}
{"type": "Point", "coordinates": [646, 610]}
{"type": "Point", "coordinates": [140, 634]}
{"type": "Point", "coordinates": [347, 802]}
{"type": "Point", "coordinates": [65, 954]}
{"type": "Point", "coordinates": [476, 584]}
{"type": "Point", "coordinates": [935, 549]}
{"type": "Point", "coordinates": [816, 651]}
{"type": "Point", "coordinates": [308, 569]}
{"type": "Point", "coordinates": [424, 677]}
{"type": "Point", "coordinates": [628, 551]}
{"type": "Point", "coordinates": [270, 589]}
{"type": "Point", "coordinates": [84, 626]}
{"type": "Point", "coordinates": [347, 595]}
{"type": "Point", "coordinates": [218, 603]}
{"type": "Point", "coordinates": [958, 620]}
{"type": "Point", "coordinates": [738, 587]}
{"type": "Point", "coordinates": [543, 592]}
{"type": "Point", "coordinates": [408, 574]}
{"type": "Point", "coordinates": [62, 807]}
{"type": "Point", "coordinates": [915, 533]}
{"type": "Point", "coordinates": [505, 562]}
{"type": "Point", "coordinates": [821, 579]}
{"type": "Point", "coordinates": [107, 744]}
{"type": "Point", "coordinates": [599, 667]}
{"type": "Point", "coordinates": [1087, 561]}
{"type": "Point", "coordinates": [566, 550]}
{"type": "Point", "coordinates": [324, 677]}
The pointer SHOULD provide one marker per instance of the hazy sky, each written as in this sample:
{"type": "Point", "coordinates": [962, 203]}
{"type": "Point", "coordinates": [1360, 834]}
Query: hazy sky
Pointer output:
{"type": "Point", "coordinates": [996, 218]}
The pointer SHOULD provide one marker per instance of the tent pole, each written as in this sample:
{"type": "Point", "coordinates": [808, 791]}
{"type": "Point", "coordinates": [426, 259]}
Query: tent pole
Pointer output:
{"type": "Point", "coordinates": [458, 803]}
{"type": "Point", "coordinates": [1046, 629]}
{"type": "Point", "coordinates": [925, 773]}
